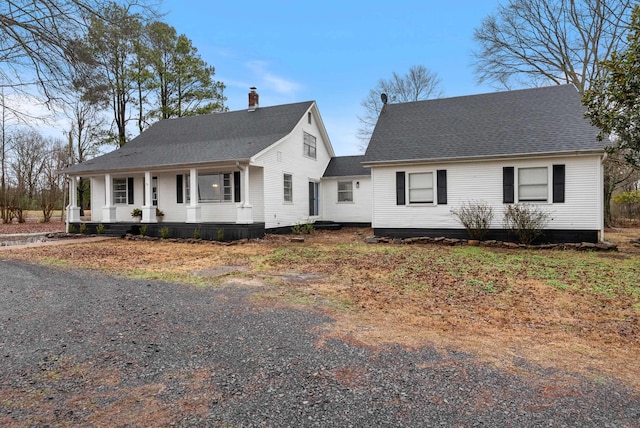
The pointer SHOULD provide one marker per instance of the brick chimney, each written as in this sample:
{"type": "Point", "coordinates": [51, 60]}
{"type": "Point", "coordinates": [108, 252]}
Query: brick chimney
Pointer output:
{"type": "Point", "coordinates": [253, 99]}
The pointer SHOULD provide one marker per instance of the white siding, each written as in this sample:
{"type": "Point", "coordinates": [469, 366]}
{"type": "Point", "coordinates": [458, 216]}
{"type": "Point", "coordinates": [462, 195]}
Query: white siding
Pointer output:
{"type": "Point", "coordinates": [482, 181]}
{"type": "Point", "coordinates": [358, 211]}
{"type": "Point", "coordinates": [287, 157]}
{"type": "Point", "coordinates": [97, 198]}
{"type": "Point", "coordinates": [256, 193]}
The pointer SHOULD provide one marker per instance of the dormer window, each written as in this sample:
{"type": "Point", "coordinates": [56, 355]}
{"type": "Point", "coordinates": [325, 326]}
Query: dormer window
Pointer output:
{"type": "Point", "coordinates": [309, 145]}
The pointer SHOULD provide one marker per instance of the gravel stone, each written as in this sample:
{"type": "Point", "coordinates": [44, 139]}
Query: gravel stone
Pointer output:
{"type": "Point", "coordinates": [254, 366]}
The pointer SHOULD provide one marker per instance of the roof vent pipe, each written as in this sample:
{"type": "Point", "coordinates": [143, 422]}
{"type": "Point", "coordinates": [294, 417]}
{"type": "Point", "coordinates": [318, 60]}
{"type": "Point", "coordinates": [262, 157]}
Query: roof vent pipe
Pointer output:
{"type": "Point", "coordinates": [253, 99]}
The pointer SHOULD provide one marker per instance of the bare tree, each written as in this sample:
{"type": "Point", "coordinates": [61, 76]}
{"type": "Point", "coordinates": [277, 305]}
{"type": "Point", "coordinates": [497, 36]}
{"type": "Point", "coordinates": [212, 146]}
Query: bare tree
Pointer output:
{"type": "Point", "coordinates": [51, 182]}
{"type": "Point", "coordinates": [29, 152]}
{"type": "Point", "coordinates": [534, 42]}
{"type": "Point", "coordinates": [418, 84]}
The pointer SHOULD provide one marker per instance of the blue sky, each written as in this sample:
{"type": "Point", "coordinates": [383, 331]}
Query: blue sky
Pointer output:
{"type": "Point", "coordinates": [332, 52]}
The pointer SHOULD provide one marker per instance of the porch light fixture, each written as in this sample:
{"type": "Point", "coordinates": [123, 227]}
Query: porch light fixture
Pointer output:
{"type": "Point", "coordinates": [357, 184]}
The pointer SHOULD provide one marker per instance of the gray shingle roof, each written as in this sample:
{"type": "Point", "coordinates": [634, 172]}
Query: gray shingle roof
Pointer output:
{"type": "Point", "coordinates": [528, 121]}
{"type": "Point", "coordinates": [346, 166]}
{"type": "Point", "coordinates": [217, 137]}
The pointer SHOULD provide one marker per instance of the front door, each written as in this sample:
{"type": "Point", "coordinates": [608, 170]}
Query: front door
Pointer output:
{"type": "Point", "coordinates": [314, 198]}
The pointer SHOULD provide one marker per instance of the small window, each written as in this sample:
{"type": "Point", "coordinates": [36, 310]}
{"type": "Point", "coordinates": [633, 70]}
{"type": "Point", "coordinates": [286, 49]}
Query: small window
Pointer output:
{"type": "Point", "coordinates": [288, 188]}
{"type": "Point", "coordinates": [345, 191]}
{"type": "Point", "coordinates": [119, 190]}
{"type": "Point", "coordinates": [309, 118]}
{"type": "Point", "coordinates": [421, 188]}
{"type": "Point", "coordinates": [154, 191]}
{"type": "Point", "coordinates": [309, 145]}
{"type": "Point", "coordinates": [533, 184]}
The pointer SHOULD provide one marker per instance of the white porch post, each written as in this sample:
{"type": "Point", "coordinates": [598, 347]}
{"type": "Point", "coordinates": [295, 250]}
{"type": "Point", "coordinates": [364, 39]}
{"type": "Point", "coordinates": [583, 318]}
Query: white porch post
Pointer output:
{"type": "Point", "coordinates": [244, 208]}
{"type": "Point", "coordinates": [194, 214]}
{"type": "Point", "coordinates": [108, 210]}
{"type": "Point", "coordinates": [73, 210]}
{"type": "Point", "coordinates": [148, 210]}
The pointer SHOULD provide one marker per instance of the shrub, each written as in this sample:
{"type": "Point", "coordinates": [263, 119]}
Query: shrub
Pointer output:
{"type": "Point", "coordinates": [72, 229]}
{"type": "Point", "coordinates": [300, 228]}
{"type": "Point", "coordinates": [83, 228]}
{"type": "Point", "coordinates": [476, 217]}
{"type": "Point", "coordinates": [100, 229]}
{"type": "Point", "coordinates": [164, 232]}
{"type": "Point", "coordinates": [526, 221]}
{"type": "Point", "coordinates": [196, 233]}
{"type": "Point", "coordinates": [143, 230]}
{"type": "Point", "coordinates": [220, 235]}
{"type": "Point", "coordinates": [137, 212]}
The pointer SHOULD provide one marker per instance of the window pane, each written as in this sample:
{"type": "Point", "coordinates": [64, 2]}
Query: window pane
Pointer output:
{"type": "Point", "coordinates": [420, 195]}
{"type": "Point", "coordinates": [288, 188]}
{"type": "Point", "coordinates": [344, 185]}
{"type": "Point", "coordinates": [422, 180]}
{"type": "Point", "coordinates": [119, 190]}
{"type": "Point", "coordinates": [532, 176]}
{"type": "Point", "coordinates": [532, 184]}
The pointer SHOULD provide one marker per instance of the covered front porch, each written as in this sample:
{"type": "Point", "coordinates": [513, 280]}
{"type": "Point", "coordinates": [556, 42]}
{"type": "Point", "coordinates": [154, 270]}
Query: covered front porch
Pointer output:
{"type": "Point", "coordinates": [207, 195]}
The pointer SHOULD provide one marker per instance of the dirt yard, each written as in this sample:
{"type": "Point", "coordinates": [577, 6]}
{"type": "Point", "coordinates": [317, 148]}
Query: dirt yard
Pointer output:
{"type": "Point", "coordinates": [575, 311]}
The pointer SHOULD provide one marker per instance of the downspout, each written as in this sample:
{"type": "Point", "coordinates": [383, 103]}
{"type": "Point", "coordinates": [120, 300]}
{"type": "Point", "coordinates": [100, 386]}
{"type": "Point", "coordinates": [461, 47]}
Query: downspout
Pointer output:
{"type": "Point", "coordinates": [601, 181]}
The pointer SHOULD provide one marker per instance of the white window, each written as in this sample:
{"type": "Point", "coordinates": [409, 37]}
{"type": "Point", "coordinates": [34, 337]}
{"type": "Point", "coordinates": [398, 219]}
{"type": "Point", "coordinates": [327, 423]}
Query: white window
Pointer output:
{"type": "Point", "coordinates": [214, 187]}
{"type": "Point", "coordinates": [120, 191]}
{"type": "Point", "coordinates": [345, 191]}
{"type": "Point", "coordinates": [154, 191]}
{"type": "Point", "coordinates": [288, 188]}
{"type": "Point", "coordinates": [309, 145]}
{"type": "Point", "coordinates": [421, 188]}
{"type": "Point", "coordinates": [533, 184]}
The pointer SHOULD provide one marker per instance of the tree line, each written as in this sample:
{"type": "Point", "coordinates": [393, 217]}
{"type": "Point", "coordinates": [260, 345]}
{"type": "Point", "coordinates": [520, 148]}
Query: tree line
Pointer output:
{"type": "Point", "coordinates": [112, 68]}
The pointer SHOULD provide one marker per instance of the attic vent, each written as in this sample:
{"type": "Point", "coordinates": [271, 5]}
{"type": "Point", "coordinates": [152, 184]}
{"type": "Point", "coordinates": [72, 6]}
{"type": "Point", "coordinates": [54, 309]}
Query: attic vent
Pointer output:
{"type": "Point", "coordinates": [253, 99]}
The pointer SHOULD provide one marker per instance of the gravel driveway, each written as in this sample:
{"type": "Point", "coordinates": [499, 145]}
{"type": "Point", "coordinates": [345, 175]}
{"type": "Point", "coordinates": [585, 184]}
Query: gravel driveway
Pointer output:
{"type": "Point", "coordinates": [80, 348]}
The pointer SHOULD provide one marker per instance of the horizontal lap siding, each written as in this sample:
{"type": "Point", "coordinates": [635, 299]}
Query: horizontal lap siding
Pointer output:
{"type": "Point", "coordinates": [359, 211]}
{"type": "Point", "coordinates": [256, 193]}
{"type": "Point", "coordinates": [482, 181]}
{"type": "Point", "coordinates": [97, 198]}
{"type": "Point", "coordinates": [277, 213]}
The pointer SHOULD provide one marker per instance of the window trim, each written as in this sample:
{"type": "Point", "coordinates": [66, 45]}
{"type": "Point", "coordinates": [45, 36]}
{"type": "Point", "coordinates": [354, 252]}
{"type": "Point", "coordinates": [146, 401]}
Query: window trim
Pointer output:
{"type": "Point", "coordinates": [284, 188]}
{"type": "Point", "coordinates": [518, 185]}
{"type": "Point", "coordinates": [307, 146]}
{"type": "Point", "coordinates": [349, 201]}
{"type": "Point", "coordinates": [226, 193]}
{"type": "Point", "coordinates": [125, 195]}
{"type": "Point", "coordinates": [409, 188]}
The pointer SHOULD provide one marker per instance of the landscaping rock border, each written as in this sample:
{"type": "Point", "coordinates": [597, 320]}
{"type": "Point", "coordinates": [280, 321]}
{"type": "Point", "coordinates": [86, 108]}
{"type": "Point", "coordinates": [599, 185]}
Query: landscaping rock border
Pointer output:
{"type": "Point", "coordinates": [579, 246]}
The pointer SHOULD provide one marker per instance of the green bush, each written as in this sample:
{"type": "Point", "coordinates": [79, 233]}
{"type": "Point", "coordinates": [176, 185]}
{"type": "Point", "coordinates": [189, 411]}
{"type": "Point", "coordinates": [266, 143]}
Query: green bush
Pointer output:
{"type": "Point", "coordinates": [100, 229]}
{"type": "Point", "coordinates": [196, 233]}
{"type": "Point", "coordinates": [300, 228]}
{"type": "Point", "coordinates": [72, 229]}
{"type": "Point", "coordinates": [220, 235]}
{"type": "Point", "coordinates": [164, 232]}
{"type": "Point", "coordinates": [143, 230]}
{"type": "Point", "coordinates": [83, 228]}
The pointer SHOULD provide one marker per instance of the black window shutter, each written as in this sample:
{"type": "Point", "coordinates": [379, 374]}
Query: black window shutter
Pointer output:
{"type": "Point", "coordinates": [508, 185]}
{"type": "Point", "coordinates": [400, 198]}
{"type": "Point", "coordinates": [558, 183]}
{"type": "Point", "coordinates": [311, 198]}
{"type": "Point", "coordinates": [442, 187]}
{"type": "Point", "coordinates": [236, 186]}
{"type": "Point", "coordinates": [179, 189]}
{"type": "Point", "coordinates": [130, 190]}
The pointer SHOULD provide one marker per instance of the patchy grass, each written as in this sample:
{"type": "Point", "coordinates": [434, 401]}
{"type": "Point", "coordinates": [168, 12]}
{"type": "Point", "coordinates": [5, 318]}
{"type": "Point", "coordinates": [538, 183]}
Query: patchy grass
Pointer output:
{"type": "Point", "coordinates": [578, 311]}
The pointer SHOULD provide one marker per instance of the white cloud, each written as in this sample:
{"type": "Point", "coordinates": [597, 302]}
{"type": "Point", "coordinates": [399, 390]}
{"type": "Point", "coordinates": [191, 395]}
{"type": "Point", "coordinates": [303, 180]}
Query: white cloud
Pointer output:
{"type": "Point", "coordinates": [280, 85]}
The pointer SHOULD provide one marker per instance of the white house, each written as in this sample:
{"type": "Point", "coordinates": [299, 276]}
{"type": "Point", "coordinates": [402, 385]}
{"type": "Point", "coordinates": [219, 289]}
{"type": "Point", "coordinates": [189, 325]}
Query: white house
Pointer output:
{"type": "Point", "coordinates": [242, 172]}
{"type": "Point", "coordinates": [528, 146]}
{"type": "Point", "coordinates": [346, 191]}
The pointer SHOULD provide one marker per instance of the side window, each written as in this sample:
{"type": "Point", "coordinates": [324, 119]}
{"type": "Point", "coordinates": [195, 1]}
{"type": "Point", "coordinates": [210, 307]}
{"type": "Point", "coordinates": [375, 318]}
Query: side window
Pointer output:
{"type": "Point", "coordinates": [309, 145]}
{"type": "Point", "coordinates": [288, 188]}
{"type": "Point", "coordinates": [345, 191]}
{"type": "Point", "coordinates": [421, 188]}
{"type": "Point", "coordinates": [533, 184]}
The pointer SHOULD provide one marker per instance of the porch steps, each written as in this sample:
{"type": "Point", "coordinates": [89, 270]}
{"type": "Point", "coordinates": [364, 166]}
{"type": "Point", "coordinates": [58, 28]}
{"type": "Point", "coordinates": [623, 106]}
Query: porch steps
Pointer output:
{"type": "Point", "coordinates": [326, 225]}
